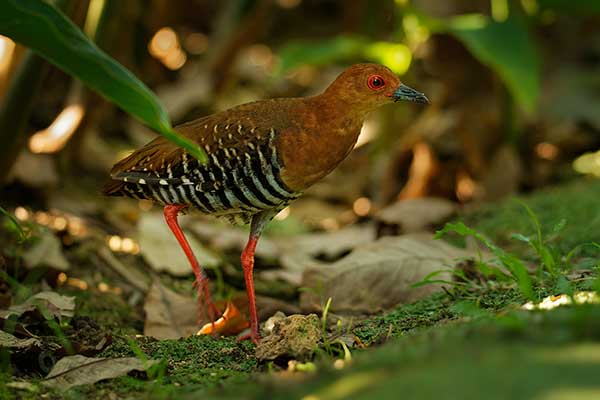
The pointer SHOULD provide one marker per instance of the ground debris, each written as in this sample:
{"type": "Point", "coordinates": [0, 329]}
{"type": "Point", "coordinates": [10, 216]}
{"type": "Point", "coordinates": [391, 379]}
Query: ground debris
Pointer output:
{"type": "Point", "coordinates": [79, 370]}
{"type": "Point", "coordinates": [9, 341]}
{"type": "Point", "coordinates": [381, 275]}
{"type": "Point", "coordinates": [296, 336]}
{"type": "Point", "coordinates": [45, 305]}
{"type": "Point", "coordinates": [416, 215]}
{"type": "Point", "coordinates": [162, 252]}
{"type": "Point", "coordinates": [169, 315]}
{"type": "Point", "coordinates": [46, 251]}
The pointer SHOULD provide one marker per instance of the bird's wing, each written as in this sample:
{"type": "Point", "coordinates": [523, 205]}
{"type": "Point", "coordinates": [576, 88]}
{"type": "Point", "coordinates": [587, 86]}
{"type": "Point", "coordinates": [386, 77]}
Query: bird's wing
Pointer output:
{"type": "Point", "coordinates": [237, 150]}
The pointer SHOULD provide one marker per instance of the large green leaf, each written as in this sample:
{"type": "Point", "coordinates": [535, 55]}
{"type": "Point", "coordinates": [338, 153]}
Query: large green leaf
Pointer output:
{"type": "Point", "coordinates": [43, 28]}
{"type": "Point", "coordinates": [508, 49]}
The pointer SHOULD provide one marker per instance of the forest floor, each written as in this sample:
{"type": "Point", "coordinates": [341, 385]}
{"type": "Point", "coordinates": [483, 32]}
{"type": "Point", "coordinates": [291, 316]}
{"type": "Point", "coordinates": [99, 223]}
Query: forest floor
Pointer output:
{"type": "Point", "coordinates": [473, 340]}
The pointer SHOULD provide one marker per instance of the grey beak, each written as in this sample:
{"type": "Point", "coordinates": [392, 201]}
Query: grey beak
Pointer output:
{"type": "Point", "coordinates": [407, 93]}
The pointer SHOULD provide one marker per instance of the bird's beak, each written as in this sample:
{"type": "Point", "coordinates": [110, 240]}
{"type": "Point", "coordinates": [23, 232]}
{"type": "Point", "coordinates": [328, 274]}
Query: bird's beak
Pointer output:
{"type": "Point", "coordinates": [407, 93]}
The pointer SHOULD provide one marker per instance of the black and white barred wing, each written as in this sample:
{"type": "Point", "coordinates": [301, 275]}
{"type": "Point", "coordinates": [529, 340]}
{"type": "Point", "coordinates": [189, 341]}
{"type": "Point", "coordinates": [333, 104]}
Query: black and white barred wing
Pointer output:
{"type": "Point", "coordinates": [241, 178]}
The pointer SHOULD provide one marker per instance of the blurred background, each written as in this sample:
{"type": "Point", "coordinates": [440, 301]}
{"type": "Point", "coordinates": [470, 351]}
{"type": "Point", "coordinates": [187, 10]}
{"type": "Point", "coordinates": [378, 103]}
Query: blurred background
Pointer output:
{"type": "Point", "coordinates": [514, 86]}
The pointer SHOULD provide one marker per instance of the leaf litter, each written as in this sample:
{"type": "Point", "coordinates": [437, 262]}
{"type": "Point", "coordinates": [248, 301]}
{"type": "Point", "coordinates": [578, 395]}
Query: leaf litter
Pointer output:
{"type": "Point", "coordinates": [80, 370]}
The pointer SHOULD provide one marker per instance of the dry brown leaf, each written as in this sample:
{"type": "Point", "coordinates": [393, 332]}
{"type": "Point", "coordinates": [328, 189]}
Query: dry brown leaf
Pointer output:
{"type": "Point", "coordinates": [53, 305]}
{"type": "Point", "coordinates": [161, 250]}
{"type": "Point", "coordinates": [47, 252]}
{"type": "Point", "coordinates": [9, 341]}
{"type": "Point", "coordinates": [169, 315]}
{"type": "Point", "coordinates": [79, 370]}
{"type": "Point", "coordinates": [380, 275]}
{"type": "Point", "coordinates": [302, 252]}
{"type": "Point", "coordinates": [415, 215]}
{"type": "Point", "coordinates": [22, 385]}
{"type": "Point", "coordinates": [314, 211]}
{"type": "Point", "coordinates": [44, 165]}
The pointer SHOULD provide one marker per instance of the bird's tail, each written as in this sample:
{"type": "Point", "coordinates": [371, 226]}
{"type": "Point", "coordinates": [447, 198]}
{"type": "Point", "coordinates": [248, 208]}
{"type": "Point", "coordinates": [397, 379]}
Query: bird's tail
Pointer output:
{"type": "Point", "coordinates": [113, 188]}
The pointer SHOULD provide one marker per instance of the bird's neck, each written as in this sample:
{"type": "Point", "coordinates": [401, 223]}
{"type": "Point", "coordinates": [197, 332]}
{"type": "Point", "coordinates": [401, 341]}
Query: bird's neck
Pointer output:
{"type": "Point", "coordinates": [337, 115]}
{"type": "Point", "coordinates": [326, 132]}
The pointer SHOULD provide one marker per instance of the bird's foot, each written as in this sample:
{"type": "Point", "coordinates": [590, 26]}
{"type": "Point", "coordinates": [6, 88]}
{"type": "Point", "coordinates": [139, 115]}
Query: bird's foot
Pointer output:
{"type": "Point", "coordinates": [207, 310]}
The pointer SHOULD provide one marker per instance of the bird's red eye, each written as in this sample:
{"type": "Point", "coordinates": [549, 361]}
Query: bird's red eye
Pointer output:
{"type": "Point", "coordinates": [376, 82]}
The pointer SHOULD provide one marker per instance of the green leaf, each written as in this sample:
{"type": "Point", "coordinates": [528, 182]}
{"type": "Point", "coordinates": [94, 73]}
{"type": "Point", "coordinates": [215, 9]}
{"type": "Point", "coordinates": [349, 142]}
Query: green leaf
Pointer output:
{"type": "Point", "coordinates": [521, 238]}
{"type": "Point", "coordinates": [519, 272]}
{"type": "Point", "coordinates": [457, 227]}
{"type": "Point", "coordinates": [507, 48]}
{"type": "Point", "coordinates": [43, 28]}
{"type": "Point", "coordinates": [516, 268]}
{"type": "Point", "coordinates": [15, 224]}
{"type": "Point", "coordinates": [559, 226]}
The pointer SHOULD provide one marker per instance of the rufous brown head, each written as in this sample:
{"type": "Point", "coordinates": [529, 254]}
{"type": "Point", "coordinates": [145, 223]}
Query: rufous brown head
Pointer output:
{"type": "Point", "coordinates": [372, 85]}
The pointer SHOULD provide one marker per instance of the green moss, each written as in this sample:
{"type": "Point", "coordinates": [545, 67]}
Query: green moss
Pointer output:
{"type": "Point", "coordinates": [189, 364]}
{"type": "Point", "coordinates": [435, 310]}
{"type": "Point", "coordinates": [577, 203]}
{"type": "Point", "coordinates": [519, 355]}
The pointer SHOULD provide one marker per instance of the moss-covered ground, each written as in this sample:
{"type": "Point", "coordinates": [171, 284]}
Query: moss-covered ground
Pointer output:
{"type": "Point", "coordinates": [466, 343]}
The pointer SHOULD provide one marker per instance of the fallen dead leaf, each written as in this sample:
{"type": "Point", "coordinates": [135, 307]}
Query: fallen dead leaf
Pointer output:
{"type": "Point", "coordinates": [380, 275]}
{"type": "Point", "coordinates": [52, 304]}
{"type": "Point", "coordinates": [47, 252]}
{"type": "Point", "coordinates": [79, 370]}
{"type": "Point", "coordinates": [329, 245]}
{"type": "Point", "coordinates": [415, 215]}
{"type": "Point", "coordinates": [9, 341]}
{"type": "Point", "coordinates": [296, 336]}
{"type": "Point", "coordinates": [161, 250]}
{"type": "Point", "coordinates": [22, 385]}
{"type": "Point", "coordinates": [313, 211]}
{"type": "Point", "coordinates": [305, 251]}
{"type": "Point", "coordinates": [169, 315]}
{"type": "Point", "coordinates": [44, 165]}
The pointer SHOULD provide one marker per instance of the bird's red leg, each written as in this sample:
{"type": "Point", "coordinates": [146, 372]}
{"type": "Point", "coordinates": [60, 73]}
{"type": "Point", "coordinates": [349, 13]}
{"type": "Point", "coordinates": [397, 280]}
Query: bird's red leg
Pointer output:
{"type": "Point", "coordinates": [171, 211]}
{"type": "Point", "coordinates": [248, 266]}
{"type": "Point", "coordinates": [259, 221]}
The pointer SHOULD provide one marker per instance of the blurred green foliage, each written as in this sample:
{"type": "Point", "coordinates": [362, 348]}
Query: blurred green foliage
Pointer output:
{"type": "Point", "coordinates": [396, 56]}
{"type": "Point", "coordinates": [503, 42]}
{"type": "Point", "coordinates": [570, 6]}
{"type": "Point", "coordinates": [45, 30]}
{"type": "Point", "coordinates": [507, 48]}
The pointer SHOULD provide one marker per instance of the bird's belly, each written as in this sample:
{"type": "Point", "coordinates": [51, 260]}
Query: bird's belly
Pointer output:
{"type": "Point", "coordinates": [237, 204]}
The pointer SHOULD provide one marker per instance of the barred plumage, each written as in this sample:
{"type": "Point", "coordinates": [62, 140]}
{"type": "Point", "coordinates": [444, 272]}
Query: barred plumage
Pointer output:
{"type": "Point", "coordinates": [234, 183]}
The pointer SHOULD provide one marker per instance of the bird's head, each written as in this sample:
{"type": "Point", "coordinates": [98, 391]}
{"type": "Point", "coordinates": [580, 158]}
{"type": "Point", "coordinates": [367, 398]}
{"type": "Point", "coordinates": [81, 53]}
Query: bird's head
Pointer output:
{"type": "Point", "coordinates": [368, 86]}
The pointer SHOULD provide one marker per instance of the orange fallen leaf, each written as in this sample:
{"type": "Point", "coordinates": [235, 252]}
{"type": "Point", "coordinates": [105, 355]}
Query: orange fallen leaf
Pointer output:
{"type": "Point", "coordinates": [231, 322]}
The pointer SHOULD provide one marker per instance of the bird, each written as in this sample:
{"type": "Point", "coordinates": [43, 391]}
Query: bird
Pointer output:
{"type": "Point", "coordinates": [261, 156]}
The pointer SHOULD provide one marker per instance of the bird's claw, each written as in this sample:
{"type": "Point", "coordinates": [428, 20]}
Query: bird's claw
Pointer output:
{"type": "Point", "coordinates": [205, 303]}
{"type": "Point", "coordinates": [254, 337]}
